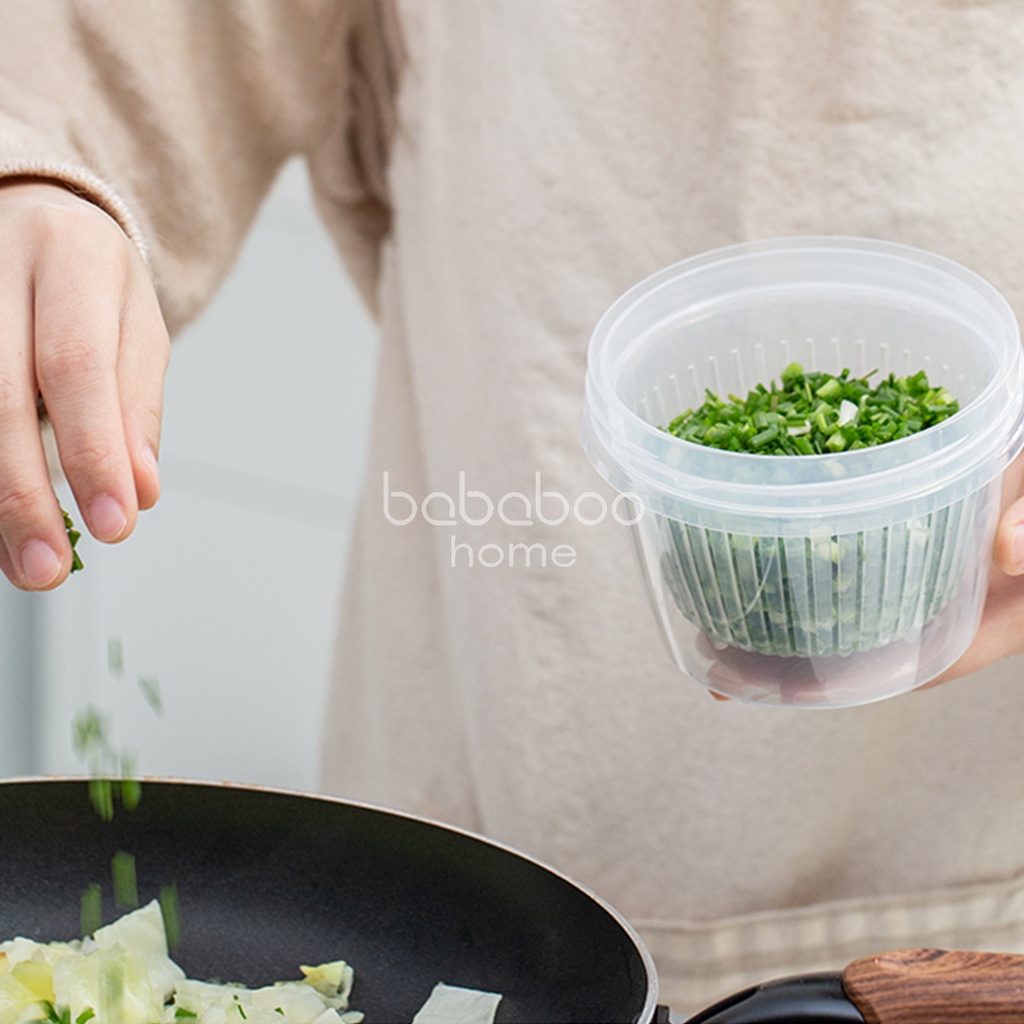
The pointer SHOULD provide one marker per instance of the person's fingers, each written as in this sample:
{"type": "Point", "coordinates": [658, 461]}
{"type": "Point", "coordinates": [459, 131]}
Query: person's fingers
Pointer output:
{"type": "Point", "coordinates": [1000, 633]}
{"type": "Point", "coordinates": [142, 364]}
{"type": "Point", "coordinates": [81, 329]}
{"type": "Point", "coordinates": [77, 335]}
{"type": "Point", "coordinates": [1008, 548]}
{"type": "Point", "coordinates": [34, 552]}
{"type": "Point", "coordinates": [1008, 551]}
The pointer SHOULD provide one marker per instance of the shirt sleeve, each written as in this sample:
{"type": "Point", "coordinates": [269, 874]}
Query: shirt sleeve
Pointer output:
{"type": "Point", "coordinates": [175, 116]}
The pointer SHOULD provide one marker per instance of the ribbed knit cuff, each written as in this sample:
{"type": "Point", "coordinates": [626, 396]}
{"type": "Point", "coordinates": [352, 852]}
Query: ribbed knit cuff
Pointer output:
{"type": "Point", "coordinates": [84, 183]}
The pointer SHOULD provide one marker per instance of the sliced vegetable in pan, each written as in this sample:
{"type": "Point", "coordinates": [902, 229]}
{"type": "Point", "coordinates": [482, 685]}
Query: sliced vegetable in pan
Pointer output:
{"type": "Point", "coordinates": [123, 974]}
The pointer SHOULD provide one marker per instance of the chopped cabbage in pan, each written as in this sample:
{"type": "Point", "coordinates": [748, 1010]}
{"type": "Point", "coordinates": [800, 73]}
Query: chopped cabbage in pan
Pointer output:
{"type": "Point", "coordinates": [123, 974]}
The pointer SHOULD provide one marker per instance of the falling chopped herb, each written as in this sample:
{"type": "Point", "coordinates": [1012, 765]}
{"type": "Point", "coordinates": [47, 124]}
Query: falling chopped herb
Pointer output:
{"type": "Point", "coordinates": [115, 655]}
{"type": "Point", "coordinates": [149, 686]}
{"type": "Point", "coordinates": [73, 537]}
{"type": "Point", "coordinates": [131, 793]}
{"type": "Point", "coordinates": [171, 914]}
{"type": "Point", "coordinates": [101, 793]}
{"type": "Point", "coordinates": [92, 909]}
{"type": "Point", "coordinates": [182, 1014]}
{"type": "Point", "coordinates": [126, 888]}
{"type": "Point", "coordinates": [813, 413]}
{"type": "Point", "coordinates": [111, 774]}
{"type": "Point", "coordinates": [129, 785]}
{"type": "Point", "coordinates": [85, 1016]}
{"type": "Point", "coordinates": [89, 735]}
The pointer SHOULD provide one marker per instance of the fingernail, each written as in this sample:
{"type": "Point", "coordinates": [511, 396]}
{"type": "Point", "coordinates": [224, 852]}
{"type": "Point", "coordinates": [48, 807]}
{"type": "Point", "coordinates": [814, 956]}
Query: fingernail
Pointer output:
{"type": "Point", "coordinates": [1017, 548]}
{"type": "Point", "coordinates": [106, 518]}
{"type": "Point", "coordinates": [151, 464]}
{"type": "Point", "coordinates": [40, 564]}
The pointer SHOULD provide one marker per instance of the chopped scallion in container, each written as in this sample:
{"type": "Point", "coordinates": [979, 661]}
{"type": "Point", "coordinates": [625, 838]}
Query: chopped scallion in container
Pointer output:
{"type": "Point", "coordinates": [817, 594]}
{"type": "Point", "coordinates": [813, 413]}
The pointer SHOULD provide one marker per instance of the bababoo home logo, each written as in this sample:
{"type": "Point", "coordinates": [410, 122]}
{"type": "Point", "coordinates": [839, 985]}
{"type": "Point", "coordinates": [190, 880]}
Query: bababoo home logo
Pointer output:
{"type": "Point", "coordinates": [470, 508]}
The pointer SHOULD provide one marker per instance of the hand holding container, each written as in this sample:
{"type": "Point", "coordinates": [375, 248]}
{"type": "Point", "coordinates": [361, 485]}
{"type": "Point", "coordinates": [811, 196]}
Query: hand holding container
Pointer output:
{"type": "Point", "coordinates": [810, 580]}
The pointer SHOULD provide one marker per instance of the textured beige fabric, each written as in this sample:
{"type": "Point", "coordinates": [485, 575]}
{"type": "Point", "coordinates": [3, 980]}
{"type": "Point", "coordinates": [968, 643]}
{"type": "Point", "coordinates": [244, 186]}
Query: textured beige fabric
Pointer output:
{"type": "Point", "coordinates": [493, 189]}
{"type": "Point", "coordinates": [182, 112]}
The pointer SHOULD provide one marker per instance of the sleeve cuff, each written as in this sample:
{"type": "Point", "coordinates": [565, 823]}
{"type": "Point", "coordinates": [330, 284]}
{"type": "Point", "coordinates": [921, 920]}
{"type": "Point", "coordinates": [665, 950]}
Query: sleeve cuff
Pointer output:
{"type": "Point", "coordinates": [83, 183]}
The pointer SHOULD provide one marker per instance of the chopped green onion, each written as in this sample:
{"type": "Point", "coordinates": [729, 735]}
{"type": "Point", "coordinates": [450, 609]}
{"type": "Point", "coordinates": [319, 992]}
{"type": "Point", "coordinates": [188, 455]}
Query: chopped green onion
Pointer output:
{"type": "Point", "coordinates": [73, 537]}
{"type": "Point", "coordinates": [115, 655]}
{"type": "Point", "coordinates": [93, 746]}
{"type": "Point", "coordinates": [101, 793]}
{"type": "Point", "coordinates": [131, 793]}
{"type": "Point", "coordinates": [150, 689]}
{"type": "Point", "coordinates": [805, 597]}
{"type": "Point", "coordinates": [816, 414]}
{"type": "Point", "coordinates": [172, 914]}
{"type": "Point", "coordinates": [92, 909]}
{"type": "Point", "coordinates": [89, 734]}
{"type": "Point", "coordinates": [830, 389]}
{"type": "Point", "coordinates": [129, 786]}
{"type": "Point", "coordinates": [53, 1015]}
{"type": "Point", "coordinates": [126, 889]}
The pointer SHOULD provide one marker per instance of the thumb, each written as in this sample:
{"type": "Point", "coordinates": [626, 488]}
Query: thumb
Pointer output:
{"type": "Point", "coordinates": [1008, 551]}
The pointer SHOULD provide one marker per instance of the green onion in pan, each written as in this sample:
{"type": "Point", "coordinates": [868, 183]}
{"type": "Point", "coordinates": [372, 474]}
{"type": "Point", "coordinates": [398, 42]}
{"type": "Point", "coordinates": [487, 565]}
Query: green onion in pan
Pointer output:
{"type": "Point", "coordinates": [92, 909]}
{"type": "Point", "coordinates": [123, 875]}
{"type": "Point", "coordinates": [171, 914]}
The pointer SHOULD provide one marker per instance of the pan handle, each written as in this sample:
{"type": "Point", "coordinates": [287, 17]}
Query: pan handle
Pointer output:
{"type": "Point", "coordinates": [935, 986]}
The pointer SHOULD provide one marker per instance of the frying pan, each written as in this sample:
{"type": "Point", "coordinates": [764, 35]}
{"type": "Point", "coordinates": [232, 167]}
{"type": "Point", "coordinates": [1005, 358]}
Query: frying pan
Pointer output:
{"type": "Point", "coordinates": [270, 880]}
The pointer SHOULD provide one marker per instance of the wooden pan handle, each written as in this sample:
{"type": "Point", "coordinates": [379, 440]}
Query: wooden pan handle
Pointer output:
{"type": "Point", "coordinates": [933, 986]}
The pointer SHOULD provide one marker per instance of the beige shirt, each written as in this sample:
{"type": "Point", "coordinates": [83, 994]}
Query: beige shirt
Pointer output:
{"type": "Point", "coordinates": [495, 175]}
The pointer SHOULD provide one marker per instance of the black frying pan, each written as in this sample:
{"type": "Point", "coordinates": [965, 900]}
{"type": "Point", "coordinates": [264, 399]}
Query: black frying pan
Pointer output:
{"type": "Point", "coordinates": [268, 881]}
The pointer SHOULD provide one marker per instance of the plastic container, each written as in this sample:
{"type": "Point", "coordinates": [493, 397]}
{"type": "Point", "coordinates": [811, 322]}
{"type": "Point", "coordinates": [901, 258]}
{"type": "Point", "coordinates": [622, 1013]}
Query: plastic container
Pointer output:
{"type": "Point", "coordinates": [813, 580]}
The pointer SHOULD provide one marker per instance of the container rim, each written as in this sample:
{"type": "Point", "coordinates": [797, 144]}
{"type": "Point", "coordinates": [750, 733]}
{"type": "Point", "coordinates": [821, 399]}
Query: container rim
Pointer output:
{"type": "Point", "coordinates": [997, 432]}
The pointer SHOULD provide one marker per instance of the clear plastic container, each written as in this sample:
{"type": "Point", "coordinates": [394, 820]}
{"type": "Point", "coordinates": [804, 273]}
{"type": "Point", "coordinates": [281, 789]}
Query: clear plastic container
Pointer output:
{"type": "Point", "coordinates": [812, 580]}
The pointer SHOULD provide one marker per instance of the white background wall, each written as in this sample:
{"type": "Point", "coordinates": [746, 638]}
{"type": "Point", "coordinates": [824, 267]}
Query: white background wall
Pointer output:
{"type": "Point", "coordinates": [227, 591]}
